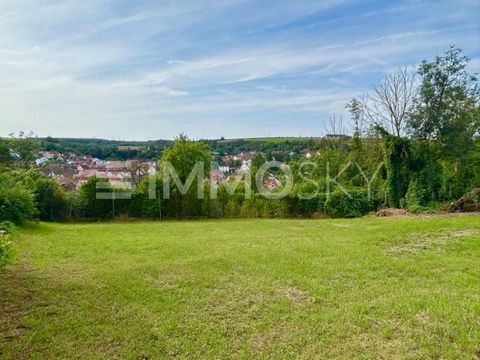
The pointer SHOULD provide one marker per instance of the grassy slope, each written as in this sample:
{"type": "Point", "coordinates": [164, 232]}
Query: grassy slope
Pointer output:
{"type": "Point", "coordinates": [366, 288]}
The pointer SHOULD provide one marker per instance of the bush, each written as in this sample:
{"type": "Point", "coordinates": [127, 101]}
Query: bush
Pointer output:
{"type": "Point", "coordinates": [50, 199]}
{"type": "Point", "coordinates": [88, 204]}
{"type": "Point", "coordinates": [16, 202]}
{"type": "Point", "coordinates": [356, 203]}
{"type": "Point", "coordinates": [6, 228]}
{"type": "Point", "coordinates": [415, 198]}
{"type": "Point", "coordinates": [306, 201]}
{"type": "Point", "coordinates": [253, 208]}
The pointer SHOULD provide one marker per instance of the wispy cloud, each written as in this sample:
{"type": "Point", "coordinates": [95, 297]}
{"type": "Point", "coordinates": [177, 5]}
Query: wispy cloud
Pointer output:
{"type": "Point", "coordinates": [211, 68]}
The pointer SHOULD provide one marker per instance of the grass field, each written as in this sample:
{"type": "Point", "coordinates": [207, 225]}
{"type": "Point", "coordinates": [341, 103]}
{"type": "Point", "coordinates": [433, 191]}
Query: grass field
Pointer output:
{"type": "Point", "coordinates": [362, 288]}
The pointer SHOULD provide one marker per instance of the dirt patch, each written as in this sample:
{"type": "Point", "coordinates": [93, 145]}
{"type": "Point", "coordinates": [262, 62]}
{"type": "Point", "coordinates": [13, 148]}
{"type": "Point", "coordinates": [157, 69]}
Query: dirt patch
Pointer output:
{"type": "Point", "coordinates": [295, 295]}
{"type": "Point", "coordinates": [417, 243]}
{"type": "Point", "coordinates": [423, 317]}
{"type": "Point", "coordinates": [469, 202]}
{"type": "Point", "coordinates": [260, 343]}
{"type": "Point", "coordinates": [387, 212]}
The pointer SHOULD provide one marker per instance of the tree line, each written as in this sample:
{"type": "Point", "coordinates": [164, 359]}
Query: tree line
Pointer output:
{"type": "Point", "coordinates": [416, 146]}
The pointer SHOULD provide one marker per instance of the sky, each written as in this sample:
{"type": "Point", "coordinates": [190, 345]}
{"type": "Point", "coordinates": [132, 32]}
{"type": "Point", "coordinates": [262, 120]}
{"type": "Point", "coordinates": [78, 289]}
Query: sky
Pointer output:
{"type": "Point", "coordinates": [139, 70]}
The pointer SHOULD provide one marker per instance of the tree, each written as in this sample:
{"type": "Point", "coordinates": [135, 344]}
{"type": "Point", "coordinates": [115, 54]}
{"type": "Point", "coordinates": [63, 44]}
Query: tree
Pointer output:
{"type": "Point", "coordinates": [145, 206]}
{"type": "Point", "coordinates": [335, 126]}
{"type": "Point", "coordinates": [397, 164]}
{"type": "Point", "coordinates": [89, 204]}
{"type": "Point", "coordinates": [6, 159]}
{"type": "Point", "coordinates": [447, 113]}
{"type": "Point", "coordinates": [50, 198]}
{"type": "Point", "coordinates": [390, 102]}
{"type": "Point", "coordinates": [257, 162]}
{"type": "Point", "coordinates": [16, 201]}
{"type": "Point", "coordinates": [446, 108]}
{"type": "Point", "coordinates": [354, 106]}
{"type": "Point", "coordinates": [23, 149]}
{"type": "Point", "coordinates": [186, 156]}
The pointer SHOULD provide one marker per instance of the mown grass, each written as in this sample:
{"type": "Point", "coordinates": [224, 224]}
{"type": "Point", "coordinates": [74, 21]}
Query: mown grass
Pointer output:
{"type": "Point", "coordinates": [362, 288]}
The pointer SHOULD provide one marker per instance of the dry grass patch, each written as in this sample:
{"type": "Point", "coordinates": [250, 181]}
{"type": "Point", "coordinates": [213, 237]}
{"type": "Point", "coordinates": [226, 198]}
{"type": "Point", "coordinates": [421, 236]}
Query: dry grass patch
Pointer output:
{"type": "Point", "coordinates": [420, 242]}
{"type": "Point", "coordinates": [295, 295]}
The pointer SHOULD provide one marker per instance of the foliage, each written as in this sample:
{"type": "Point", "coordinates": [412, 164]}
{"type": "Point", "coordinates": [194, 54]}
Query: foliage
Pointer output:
{"type": "Point", "coordinates": [258, 160]}
{"type": "Point", "coordinates": [354, 203]}
{"type": "Point", "coordinates": [438, 161]}
{"type": "Point", "coordinates": [23, 150]}
{"type": "Point", "coordinates": [6, 159]}
{"type": "Point", "coordinates": [106, 149]}
{"type": "Point", "coordinates": [17, 203]}
{"type": "Point", "coordinates": [185, 154]}
{"type": "Point", "coordinates": [397, 164]}
{"type": "Point", "coordinates": [143, 205]}
{"type": "Point", "coordinates": [88, 204]}
{"type": "Point", "coordinates": [446, 109]}
{"type": "Point", "coordinates": [6, 229]}
{"type": "Point", "coordinates": [426, 177]}
{"type": "Point", "coordinates": [50, 199]}
{"type": "Point", "coordinates": [307, 200]}
{"type": "Point", "coordinates": [5, 248]}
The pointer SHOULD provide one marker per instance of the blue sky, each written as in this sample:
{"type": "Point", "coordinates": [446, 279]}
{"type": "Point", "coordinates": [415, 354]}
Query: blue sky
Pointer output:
{"type": "Point", "coordinates": [133, 70]}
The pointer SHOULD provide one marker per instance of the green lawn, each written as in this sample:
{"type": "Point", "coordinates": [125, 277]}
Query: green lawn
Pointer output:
{"type": "Point", "coordinates": [362, 288]}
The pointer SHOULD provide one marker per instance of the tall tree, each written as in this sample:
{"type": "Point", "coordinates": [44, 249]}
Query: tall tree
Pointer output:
{"type": "Point", "coordinates": [354, 106]}
{"type": "Point", "coordinates": [391, 100]}
{"type": "Point", "coordinates": [257, 162]}
{"type": "Point", "coordinates": [23, 149]}
{"type": "Point", "coordinates": [446, 108]}
{"type": "Point", "coordinates": [334, 126]}
{"type": "Point", "coordinates": [184, 154]}
{"type": "Point", "coordinates": [6, 159]}
{"type": "Point", "coordinates": [186, 157]}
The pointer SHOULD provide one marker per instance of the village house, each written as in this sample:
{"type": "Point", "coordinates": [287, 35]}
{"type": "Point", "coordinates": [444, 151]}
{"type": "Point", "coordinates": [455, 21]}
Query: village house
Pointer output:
{"type": "Point", "coordinates": [72, 171]}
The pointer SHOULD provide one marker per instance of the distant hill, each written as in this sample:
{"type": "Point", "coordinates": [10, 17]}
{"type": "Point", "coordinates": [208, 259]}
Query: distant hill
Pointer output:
{"type": "Point", "coordinates": [280, 147]}
{"type": "Point", "coordinates": [106, 149]}
{"type": "Point", "coordinates": [278, 139]}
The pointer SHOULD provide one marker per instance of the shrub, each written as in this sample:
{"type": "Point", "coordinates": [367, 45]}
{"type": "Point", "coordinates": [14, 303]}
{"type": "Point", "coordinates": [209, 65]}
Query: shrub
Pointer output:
{"type": "Point", "coordinates": [16, 202]}
{"type": "Point", "coordinates": [6, 228]}
{"type": "Point", "coordinates": [50, 199]}
{"type": "Point", "coordinates": [356, 203]}
{"type": "Point", "coordinates": [233, 206]}
{"type": "Point", "coordinates": [307, 201]}
{"type": "Point", "coordinates": [253, 208]}
{"type": "Point", "coordinates": [275, 208]}
{"type": "Point", "coordinates": [397, 164]}
{"type": "Point", "coordinates": [415, 198]}
{"type": "Point", "coordinates": [88, 204]}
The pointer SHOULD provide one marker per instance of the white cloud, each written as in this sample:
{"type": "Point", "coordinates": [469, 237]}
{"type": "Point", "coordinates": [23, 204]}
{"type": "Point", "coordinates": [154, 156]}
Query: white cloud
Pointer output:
{"type": "Point", "coordinates": [89, 68]}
